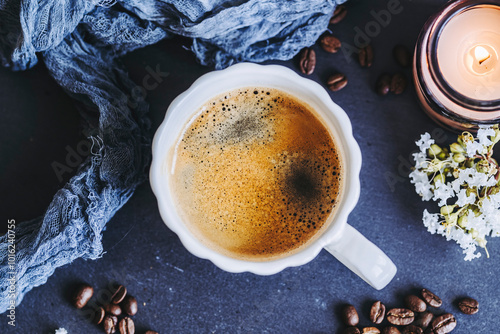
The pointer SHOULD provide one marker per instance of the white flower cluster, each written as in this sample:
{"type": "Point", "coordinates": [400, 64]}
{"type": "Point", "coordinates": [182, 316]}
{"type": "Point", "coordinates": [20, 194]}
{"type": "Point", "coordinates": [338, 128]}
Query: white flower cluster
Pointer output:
{"type": "Point", "coordinates": [470, 200]}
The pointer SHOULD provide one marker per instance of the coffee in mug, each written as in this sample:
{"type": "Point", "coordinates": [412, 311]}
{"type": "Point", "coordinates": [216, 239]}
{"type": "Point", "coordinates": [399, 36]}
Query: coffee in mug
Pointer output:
{"type": "Point", "coordinates": [255, 174]}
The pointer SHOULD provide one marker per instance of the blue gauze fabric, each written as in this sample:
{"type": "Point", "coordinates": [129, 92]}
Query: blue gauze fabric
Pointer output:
{"type": "Point", "coordinates": [80, 42]}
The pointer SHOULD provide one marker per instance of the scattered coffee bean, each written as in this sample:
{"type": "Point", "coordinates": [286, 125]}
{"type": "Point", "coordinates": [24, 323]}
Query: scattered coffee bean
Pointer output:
{"type": "Point", "coordinates": [415, 304]}
{"type": "Point", "coordinates": [113, 309]}
{"type": "Point", "coordinates": [129, 305]}
{"type": "Point", "coordinates": [82, 295]}
{"type": "Point", "coordinates": [109, 324]}
{"type": "Point", "coordinates": [400, 316]}
{"type": "Point", "coordinates": [412, 329]}
{"type": "Point", "coordinates": [370, 330]}
{"type": "Point", "coordinates": [336, 82]}
{"type": "Point", "coordinates": [339, 14]}
{"type": "Point", "coordinates": [330, 43]}
{"type": "Point", "coordinates": [402, 55]}
{"type": "Point", "coordinates": [431, 298]}
{"type": "Point", "coordinates": [390, 330]}
{"type": "Point", "coordinates": [468, 305]}
{"type": "Point", "coordinates": [351, 330]}
{"type": "Point", "coordinates": [107, 315]}
{"type": "Point", "coordinates": [398, 83]}
{"type": "Point", "coordinates": [405, 317]}
{"type": "Point", "coordinates": [383, 84]}
{"type": "Point", "coordinates": [424, 320]}
{"type": "Point", "coordinates": [377, 312]}
{"type": "Point", "coordinates": [126, 326]}
{"type": "Point", "coordinates": [307, 61]}
{"type": "Point", "coordinates": [99, 315]}
{"type": "Point", "coordinates": [119, 294]}
{"type": "Point", "coordinates": [443, 324]}
{"type": "Point", "coordinates": [365, 56]}
{"type": "Point", "coordinates": [350, 315]}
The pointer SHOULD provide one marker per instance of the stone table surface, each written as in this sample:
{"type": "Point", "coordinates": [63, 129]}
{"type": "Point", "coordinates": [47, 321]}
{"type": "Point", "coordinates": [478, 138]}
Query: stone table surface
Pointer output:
{"type": "Point", "coordinates": [179, 293]}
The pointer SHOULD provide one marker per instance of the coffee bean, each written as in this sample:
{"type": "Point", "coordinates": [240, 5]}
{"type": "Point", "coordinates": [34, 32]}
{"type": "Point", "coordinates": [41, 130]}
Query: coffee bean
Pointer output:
{"type": "Point", "coordinates": [109, 324]}
{"type": "Point", "coordinates": [398, 83]}
{"type": "Point", "coordinates": [415, 304]}
{"type": "Point", "coordinates": [402, 55]}
{"type": "Point", "coordinates": [412, 329]}
{"type": "Point", "coordinates": [400, 316]}
{"type": "Point", "coordinates": [82, 295]}
{"type": "Point", "coordinates": [330, 43]}
{"type": "Point", "coordinates": [113, 309]}
{"type": "Point", "coordinates": [151, 332]}
{"type": "Point", "coordinates": [126, 326]}
{"type": "Point", "coordinates": [390, 330]}
{"type": "Point", "coordinates": [424, 320]}
{"type": "Point", "coordinates": [351, 330]}
{"type": "Point", "coordinates": [119, 294]}
{"type": "Point", "coordinates": [99, 315]}
{"type": "Point", "coordinates": [431, 298]}
{"type": "Point", "coordinates": [336, 82]}
{"type": "Point", "coordinates": [307, 61]}
{"type": "Point", "coordinates": [129, 305]}
{"type": "Point", "coordinates": [377, 312]}
{"type": "Point", "coordinates": [468, 305]}
{"type": "Point", "coordinates": [383, 84]}
{"type": "Point", "coordinates": [365, 56]}
{"type": "Point", "coordinates": [339, 14]}
{"type": "Point", "coordinates": [443, 324]}
{"type": "Point", "coordinates": [370, 330]}
{"type": "Point", "coordinates": [350, 315]}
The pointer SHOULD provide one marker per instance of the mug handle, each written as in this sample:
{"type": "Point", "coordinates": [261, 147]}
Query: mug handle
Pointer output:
{"type": "Point", "coordinates": [363, 257]}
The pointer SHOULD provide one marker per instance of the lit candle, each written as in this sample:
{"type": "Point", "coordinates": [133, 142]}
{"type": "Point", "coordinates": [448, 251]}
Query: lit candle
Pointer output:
{"type": "Point", "coordinates": [457, 67]}
{"type": "Point", "coordinates": [467, 53]}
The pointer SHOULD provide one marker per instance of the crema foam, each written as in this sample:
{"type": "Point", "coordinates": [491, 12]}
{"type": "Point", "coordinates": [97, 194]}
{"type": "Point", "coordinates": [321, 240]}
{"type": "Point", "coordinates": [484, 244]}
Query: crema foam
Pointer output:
{"type": "Point", "coordinates": [255, 174]}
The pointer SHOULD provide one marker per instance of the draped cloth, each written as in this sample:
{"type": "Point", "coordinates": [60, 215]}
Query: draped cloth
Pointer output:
{"type": "Point", "coordinates": [80, 42]}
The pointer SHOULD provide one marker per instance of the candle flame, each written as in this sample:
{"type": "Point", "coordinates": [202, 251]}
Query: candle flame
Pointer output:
{"type": "Point", "coordinates": [481, 54]}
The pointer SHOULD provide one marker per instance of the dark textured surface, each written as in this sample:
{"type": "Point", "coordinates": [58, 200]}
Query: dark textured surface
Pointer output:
{"type": "Point", "coordinates": [179, 293]}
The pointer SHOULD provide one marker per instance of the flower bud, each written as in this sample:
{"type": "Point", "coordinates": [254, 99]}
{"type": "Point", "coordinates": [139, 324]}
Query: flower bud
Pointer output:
{"type": "Point", "coordinates": [481, 242]}
{"type": "Point", "coordinates": [470, 191]}
{"type": "Point", "coordinates": [476, 211]}
{"type": "Point", "coordinates": [474, 233]}
{"type": "Point", "coordinates": [496, 138]}
{"type": "Point", "coordinates": [439, 178]}
{"type": "Point", "coordinates": [465, 138]}
{"type": "Point", "coordinates": [447, 209]}
{"type": "Point", "coordinates": [434, 150]}
{"type": "Point", "coordinates": [462, 221]}
{"type": "Point", "coordinates": [458, 157]}
{"type": "Point", "coordinates": [456, 148]}
{"type": "Point", "coordinates": [483, 166]}
{"type": "Point", "coordinates": [493, 170]}
{"type": "Point", "coordinates": [442, 155]}
{"type": "Point", "coordinates": [494, 190]}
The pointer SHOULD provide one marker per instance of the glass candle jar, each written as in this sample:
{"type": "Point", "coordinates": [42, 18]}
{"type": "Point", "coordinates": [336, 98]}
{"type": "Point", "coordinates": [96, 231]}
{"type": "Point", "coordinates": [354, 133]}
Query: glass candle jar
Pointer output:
{"type": "Point", "coordinates": [456, 66]}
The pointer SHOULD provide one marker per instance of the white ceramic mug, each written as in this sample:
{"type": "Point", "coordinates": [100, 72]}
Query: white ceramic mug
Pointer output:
{"type": "Point", "coordinates": [339, 238]}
